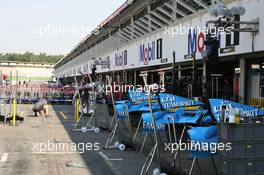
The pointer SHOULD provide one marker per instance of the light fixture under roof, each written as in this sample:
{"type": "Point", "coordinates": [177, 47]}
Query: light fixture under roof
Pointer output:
{"type": "Point", "coordinates": [221, 10]}
{"type": "Point", "coordinates": [239, 10]}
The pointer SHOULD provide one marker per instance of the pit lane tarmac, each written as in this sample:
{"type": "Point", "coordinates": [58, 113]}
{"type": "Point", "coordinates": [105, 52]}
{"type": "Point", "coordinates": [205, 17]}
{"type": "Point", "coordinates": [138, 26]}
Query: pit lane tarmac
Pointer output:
{"type": "Point", "coordinates": [22, 150]}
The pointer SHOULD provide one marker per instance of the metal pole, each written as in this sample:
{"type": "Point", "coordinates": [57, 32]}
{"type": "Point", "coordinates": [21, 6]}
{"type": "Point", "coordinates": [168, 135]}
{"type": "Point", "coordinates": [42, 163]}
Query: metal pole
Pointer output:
{"type": "Point", "coordinates": [1, 78]}
{"type": "Point", "coordinates": [260, 85]}
{"type": "Point", "coordinates": [204, 80]}
{"type": "Point", "coordinates": [217, 89]}
{"type": "Point", "coordinates": [153, 121]}
{"type": "Point", "coordinates": [212, 87]}
{"type": "Point", "coordinates": [174, 73]}
{"type": "Point", "coordinates": [109, 81]}
{"type": "Point", "coordinates": [10, 92]}
{"type": "Point", "coordinates": [14, 111]}
{"type": "Point", "coordinates": [1, 91]}
{"type": "Point", "coordinates": [15, 101]}
{"type": "Point", "coordinates": [135, 77]}
{"type": "Point", "coordinates": [76, 110]}
{"type": "Point", "coordinates": [194, 82]}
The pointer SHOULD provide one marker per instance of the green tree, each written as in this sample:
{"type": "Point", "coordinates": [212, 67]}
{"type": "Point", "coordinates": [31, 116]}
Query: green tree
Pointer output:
{"type": "Point", "coordinates": [30, 57]}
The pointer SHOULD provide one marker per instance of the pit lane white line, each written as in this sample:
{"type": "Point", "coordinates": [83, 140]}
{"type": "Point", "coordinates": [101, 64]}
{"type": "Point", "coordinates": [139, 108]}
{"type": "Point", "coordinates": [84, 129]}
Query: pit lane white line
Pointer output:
{"type": "Point", "coordinates": [109, 163]}
{"type": "Point", "coordinates": [4, 157]}
{"type": "Point", "coordinates": [106, 157]}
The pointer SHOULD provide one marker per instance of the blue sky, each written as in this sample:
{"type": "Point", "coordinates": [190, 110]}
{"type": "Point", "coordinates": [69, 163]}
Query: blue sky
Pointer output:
{"type": "Point", "coordinates": [50, 26]}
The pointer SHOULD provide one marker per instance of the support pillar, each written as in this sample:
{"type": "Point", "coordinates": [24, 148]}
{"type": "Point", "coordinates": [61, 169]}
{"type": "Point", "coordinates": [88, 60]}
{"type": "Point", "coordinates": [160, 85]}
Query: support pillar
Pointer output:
{"type": "Point", "coordinates": [135, 78]}
{"type": "Point", "coordinates": [179, 72]}
{"type": "Point", "coordinates": [204, 80]}
{"type": "Point", "coordinates": [242, 81]}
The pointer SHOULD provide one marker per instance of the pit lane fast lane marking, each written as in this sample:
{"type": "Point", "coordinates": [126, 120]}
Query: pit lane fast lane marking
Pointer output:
{"type": "Point", "coordinates": [63, 115]}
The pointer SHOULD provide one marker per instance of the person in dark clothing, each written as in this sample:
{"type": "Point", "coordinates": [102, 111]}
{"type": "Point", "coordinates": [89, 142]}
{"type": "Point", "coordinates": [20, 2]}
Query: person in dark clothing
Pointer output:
{"type": "Point", "coordinates": [40, 106]}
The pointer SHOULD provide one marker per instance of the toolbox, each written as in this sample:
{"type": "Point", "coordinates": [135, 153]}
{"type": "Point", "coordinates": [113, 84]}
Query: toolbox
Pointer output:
{"type": "Point", "coordinates": [247, 154]}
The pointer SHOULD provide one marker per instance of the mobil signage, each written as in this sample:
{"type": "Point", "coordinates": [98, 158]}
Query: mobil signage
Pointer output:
{"type": "Point", "coordinates": [121, 58]}
{"type": "Point", "coordinates": [196, 41]}
{"type": "Point", "coordinates": [105, 63]}
{"type": "Point", "coordinates": [150, 51]}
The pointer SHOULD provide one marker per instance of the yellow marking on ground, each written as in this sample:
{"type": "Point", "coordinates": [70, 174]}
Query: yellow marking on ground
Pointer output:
{"type": "Point", "coordinates": [63, 115]}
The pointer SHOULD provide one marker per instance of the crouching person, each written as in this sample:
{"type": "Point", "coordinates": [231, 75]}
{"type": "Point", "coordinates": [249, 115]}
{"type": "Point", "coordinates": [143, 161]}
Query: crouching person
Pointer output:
{"type": "Point", "coordinates": [41, 106]}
